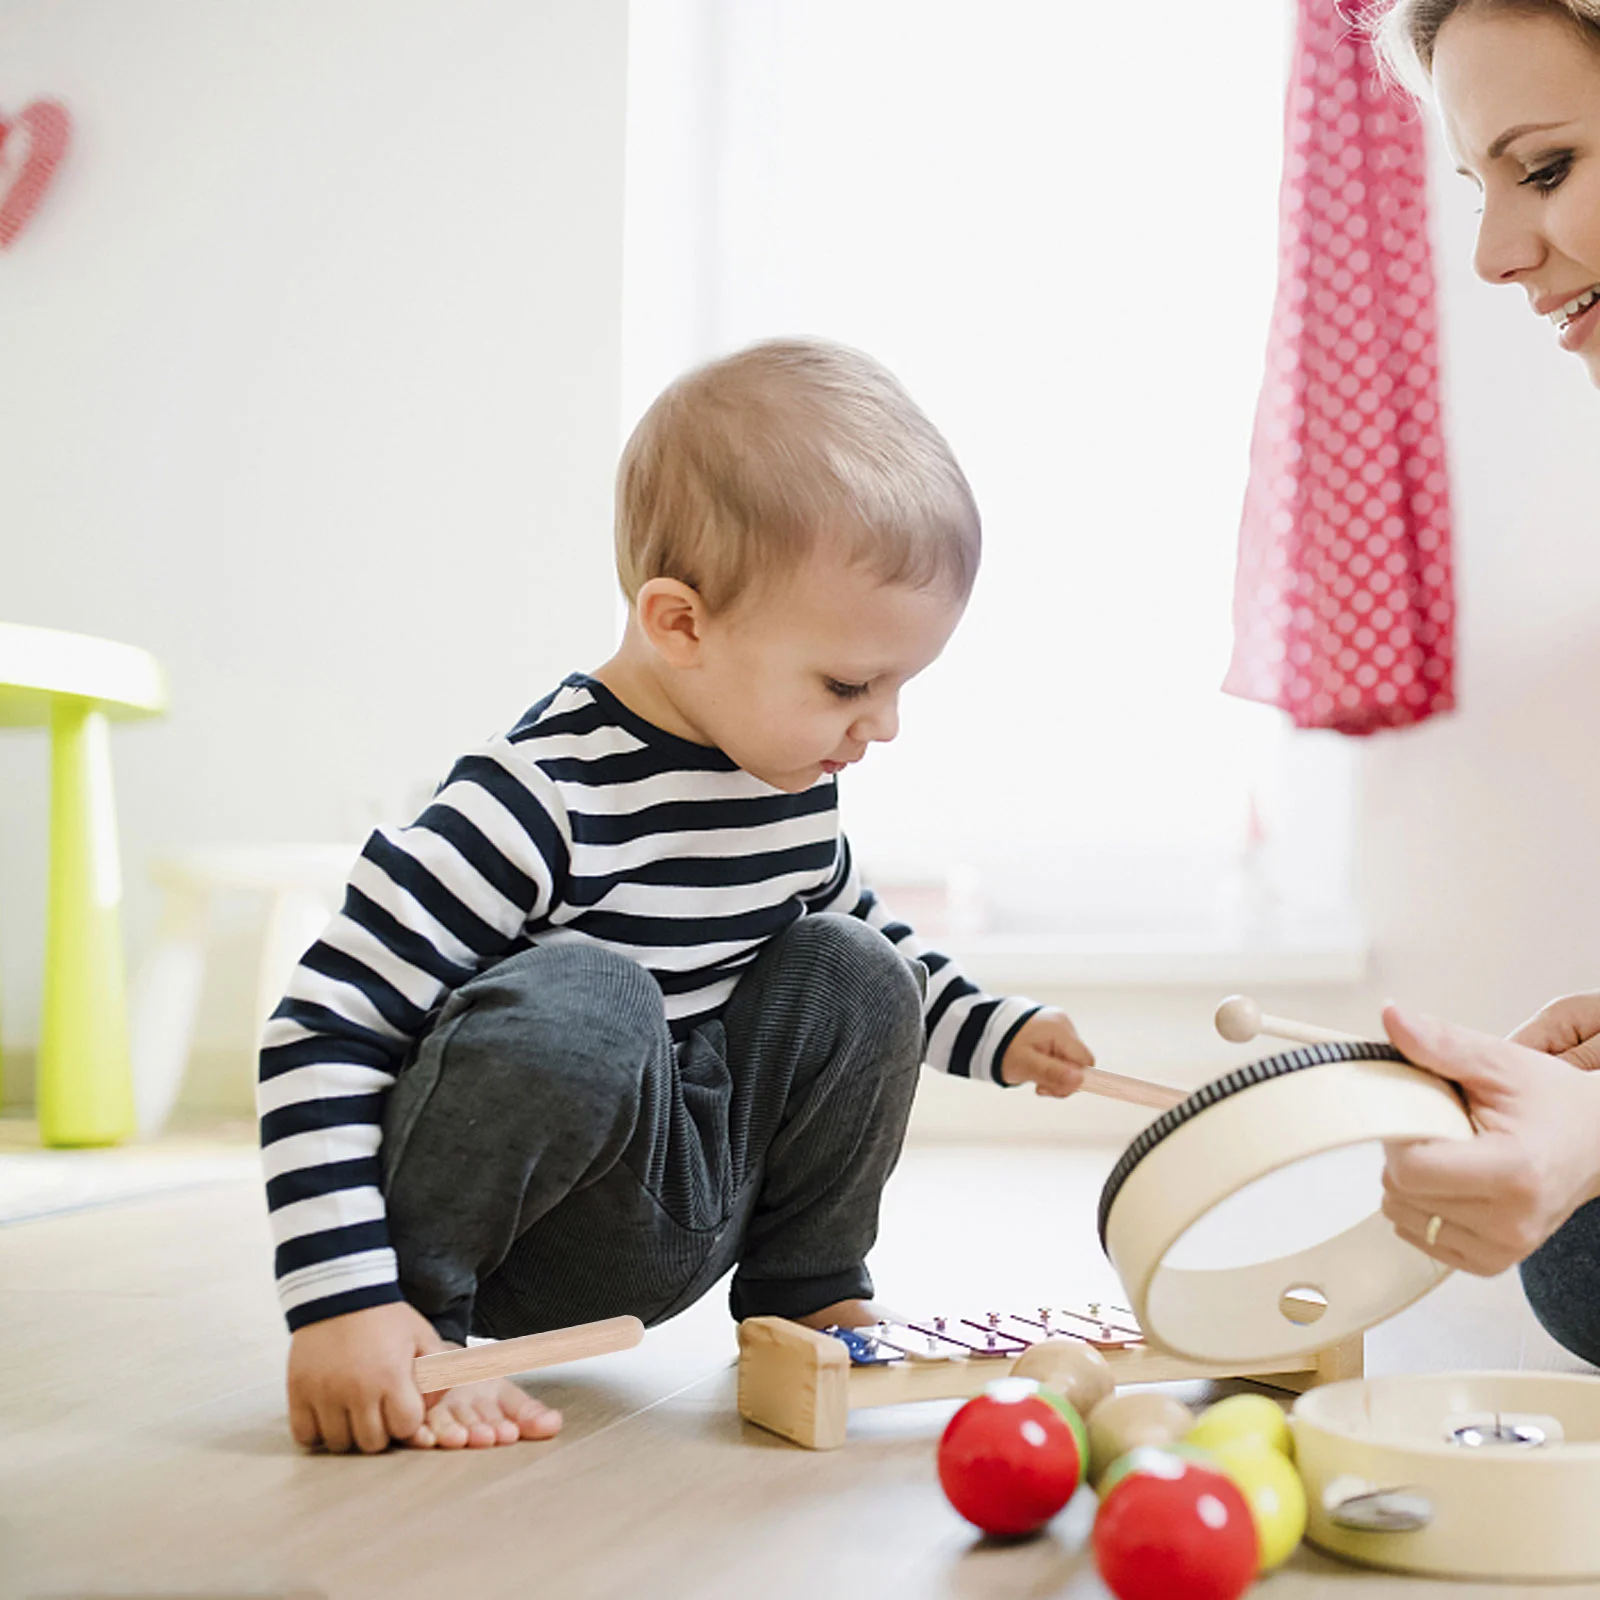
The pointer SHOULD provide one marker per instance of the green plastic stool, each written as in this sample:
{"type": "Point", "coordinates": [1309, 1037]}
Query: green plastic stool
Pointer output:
{"type": "Point", "coordinates": [76, 686]}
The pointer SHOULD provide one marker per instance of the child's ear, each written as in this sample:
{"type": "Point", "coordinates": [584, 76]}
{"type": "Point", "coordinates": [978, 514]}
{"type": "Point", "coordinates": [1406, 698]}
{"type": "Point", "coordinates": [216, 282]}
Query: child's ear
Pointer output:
{"type": "Point", "coordinates": [673, 619]}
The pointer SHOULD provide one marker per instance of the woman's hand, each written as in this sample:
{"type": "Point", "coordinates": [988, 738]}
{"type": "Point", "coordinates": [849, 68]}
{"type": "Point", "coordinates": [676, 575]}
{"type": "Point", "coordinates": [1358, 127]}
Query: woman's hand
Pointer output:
{"type": "Point", "coordinates": [1569, 1028]}
{"type": "Point", "coordinates": [1534, 1161]}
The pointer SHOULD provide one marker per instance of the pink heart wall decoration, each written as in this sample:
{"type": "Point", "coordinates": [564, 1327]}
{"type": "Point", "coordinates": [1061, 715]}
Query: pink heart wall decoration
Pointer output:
{"type": "Point", "coordinates": [31, 149]}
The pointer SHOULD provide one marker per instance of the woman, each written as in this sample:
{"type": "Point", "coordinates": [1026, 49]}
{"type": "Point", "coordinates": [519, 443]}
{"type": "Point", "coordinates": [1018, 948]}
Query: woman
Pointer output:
{"type": "Point", "coordinates": [1517, 86]}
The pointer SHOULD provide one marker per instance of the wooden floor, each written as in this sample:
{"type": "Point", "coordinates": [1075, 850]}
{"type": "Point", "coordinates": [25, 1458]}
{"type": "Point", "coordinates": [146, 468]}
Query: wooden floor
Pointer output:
{"type": "Point", "coordinates": [143, 1450]}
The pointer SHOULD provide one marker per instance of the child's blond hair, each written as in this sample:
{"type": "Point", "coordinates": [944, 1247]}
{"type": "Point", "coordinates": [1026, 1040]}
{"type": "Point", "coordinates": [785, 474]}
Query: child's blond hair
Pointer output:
{"type": "Point", "coordinates": [743, 466]}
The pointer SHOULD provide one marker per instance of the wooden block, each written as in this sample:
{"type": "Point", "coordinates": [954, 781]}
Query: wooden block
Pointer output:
{"type": "Point", "coordinates": [794, 1382]}
{"type": "Point", "coordinates": [1347, 1359]}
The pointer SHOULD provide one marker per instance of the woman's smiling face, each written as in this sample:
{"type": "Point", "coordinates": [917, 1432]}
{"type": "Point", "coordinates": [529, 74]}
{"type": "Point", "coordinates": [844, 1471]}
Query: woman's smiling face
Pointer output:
{"type": "Point", "coordinates": [1519, 93]}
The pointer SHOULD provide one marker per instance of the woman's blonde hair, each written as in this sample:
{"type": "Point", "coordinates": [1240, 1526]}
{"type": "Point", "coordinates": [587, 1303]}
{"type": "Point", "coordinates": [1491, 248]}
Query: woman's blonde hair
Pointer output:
{"type": "Point", "coordinates": [1404, 32]}
{"type": "Point", "coordinates": [743, 466]}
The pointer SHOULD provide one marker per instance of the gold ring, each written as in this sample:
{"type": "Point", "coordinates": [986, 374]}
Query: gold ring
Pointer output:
{"type": "Point", "coordinates": [1431, 1233]}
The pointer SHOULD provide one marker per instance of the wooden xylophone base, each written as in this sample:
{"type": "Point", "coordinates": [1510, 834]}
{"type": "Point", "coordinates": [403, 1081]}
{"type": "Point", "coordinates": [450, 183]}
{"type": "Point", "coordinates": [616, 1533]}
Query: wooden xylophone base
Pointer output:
{"type": "Point", "coordinates": [803, 1385]}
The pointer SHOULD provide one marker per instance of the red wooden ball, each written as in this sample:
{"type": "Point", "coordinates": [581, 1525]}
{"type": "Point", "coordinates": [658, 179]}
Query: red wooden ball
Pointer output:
{"type": "Point", "coordinates": [1173, 1529]}
{"type": "Point", "coordinates": [1010, 1459]}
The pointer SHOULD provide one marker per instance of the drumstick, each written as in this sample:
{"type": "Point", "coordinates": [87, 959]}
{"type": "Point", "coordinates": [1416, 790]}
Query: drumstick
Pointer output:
{"type": "Point", "coordinates": [1240, 1019]}
{"type": "Point", "coordinates": [446, 1368]}
{"type": "Point", "coordinates": [1135, 1091]}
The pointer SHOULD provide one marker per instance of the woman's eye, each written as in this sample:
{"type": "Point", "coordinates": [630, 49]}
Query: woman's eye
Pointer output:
{"type": "Point", "coordinates": [1550, 176]}
{"type": "Point", "coordinates": [845, 691]}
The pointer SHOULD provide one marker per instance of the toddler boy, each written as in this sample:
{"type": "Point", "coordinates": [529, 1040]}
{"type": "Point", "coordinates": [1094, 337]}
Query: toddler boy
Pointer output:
{"type": "Point", "coordinates": [616, 1014]}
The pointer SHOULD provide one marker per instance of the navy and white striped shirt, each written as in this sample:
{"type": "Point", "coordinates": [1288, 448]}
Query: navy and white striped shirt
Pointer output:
{"type": "Point", "coordinates": [583, 823]}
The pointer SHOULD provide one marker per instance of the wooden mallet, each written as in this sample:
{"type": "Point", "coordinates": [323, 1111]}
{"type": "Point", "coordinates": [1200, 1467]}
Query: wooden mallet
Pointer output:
{"type": "Point", "coordinates": [1133, 1091]}
{"type": "Point", "coordinates": [501, 1359]}
{"type": "Point", "coordinates": [1240, 1020]}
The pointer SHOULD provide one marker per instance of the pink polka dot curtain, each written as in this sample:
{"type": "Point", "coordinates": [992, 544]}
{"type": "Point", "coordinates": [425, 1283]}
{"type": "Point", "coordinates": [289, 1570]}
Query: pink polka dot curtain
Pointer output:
{"type": "Point", "coordinates": [1343, 603]}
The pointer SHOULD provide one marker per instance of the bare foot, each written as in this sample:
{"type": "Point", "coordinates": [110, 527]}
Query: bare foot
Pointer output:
{"type": "Point", "coordinates": [478, 1415]}
{"type": "Point", "coordinates": [843, 1314]}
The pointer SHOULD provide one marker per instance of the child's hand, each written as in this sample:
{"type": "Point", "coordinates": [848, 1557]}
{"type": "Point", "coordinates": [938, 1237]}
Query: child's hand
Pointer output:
{"type": "Point", "coordinates": [1047, 1052]}
{"type": "Point", "coordinates": [351, 1386]}
{"type": "Point", "coordinates": [350, 1381]}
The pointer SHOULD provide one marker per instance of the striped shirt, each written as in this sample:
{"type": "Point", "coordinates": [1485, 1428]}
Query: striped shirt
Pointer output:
{"type": "Point", "coordinates": [583, 823]}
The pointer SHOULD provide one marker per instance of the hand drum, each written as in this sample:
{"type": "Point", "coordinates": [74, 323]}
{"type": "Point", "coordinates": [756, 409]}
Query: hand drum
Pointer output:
{"type": "Point", "coordinates": [1244, 1222]}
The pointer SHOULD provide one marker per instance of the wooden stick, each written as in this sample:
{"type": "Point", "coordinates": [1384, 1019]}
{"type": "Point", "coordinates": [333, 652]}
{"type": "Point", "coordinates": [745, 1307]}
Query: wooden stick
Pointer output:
{"type": "Point", "coordinates": [1240, 1019]}
{"type": "Point", "coordinates": [446, 1368]}
{"type": "Point", "coordinates": [1135, 1091]}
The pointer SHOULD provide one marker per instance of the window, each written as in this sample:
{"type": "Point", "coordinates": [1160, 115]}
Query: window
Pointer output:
{"type": "Point", "coordinates": [1057, 225]}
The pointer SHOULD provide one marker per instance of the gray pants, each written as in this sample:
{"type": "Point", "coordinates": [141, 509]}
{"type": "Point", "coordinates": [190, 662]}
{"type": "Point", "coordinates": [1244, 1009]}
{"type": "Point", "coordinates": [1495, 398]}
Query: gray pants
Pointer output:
{"type": "Point", "coordinates": [1562, 1279]}
{"type": "Point", "coordinates": [549, 1157]}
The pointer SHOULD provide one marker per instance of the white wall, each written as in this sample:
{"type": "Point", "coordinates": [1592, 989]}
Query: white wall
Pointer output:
{"type": "Point", "coordinates": [1478, 841]}
{"type": "Point", "coordinates": [310, 387]}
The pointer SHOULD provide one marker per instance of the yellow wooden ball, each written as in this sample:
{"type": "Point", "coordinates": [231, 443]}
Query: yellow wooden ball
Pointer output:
{"type": "Point", "coordinates": [1243, 1416]}
{"type": "Point", "coordinates": [1277, 1498]}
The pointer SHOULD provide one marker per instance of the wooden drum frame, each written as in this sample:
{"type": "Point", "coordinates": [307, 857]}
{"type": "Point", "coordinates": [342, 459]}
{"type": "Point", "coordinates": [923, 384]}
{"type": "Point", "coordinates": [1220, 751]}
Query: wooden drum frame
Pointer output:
{"type": "Point", "coordinates": [1231, 1133]}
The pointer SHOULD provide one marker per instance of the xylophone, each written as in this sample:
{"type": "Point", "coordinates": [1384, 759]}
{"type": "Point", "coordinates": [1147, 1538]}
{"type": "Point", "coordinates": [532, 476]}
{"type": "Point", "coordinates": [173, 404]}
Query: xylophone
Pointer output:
{"type": "Point", "coordinates": [802, 1384]}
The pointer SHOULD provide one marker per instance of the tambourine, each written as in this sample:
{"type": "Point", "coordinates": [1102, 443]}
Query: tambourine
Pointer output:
{"type": "Point", "coordinates": [1465, 1475]}
{"type": "Point", "coordinates": [1251, 1125]}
